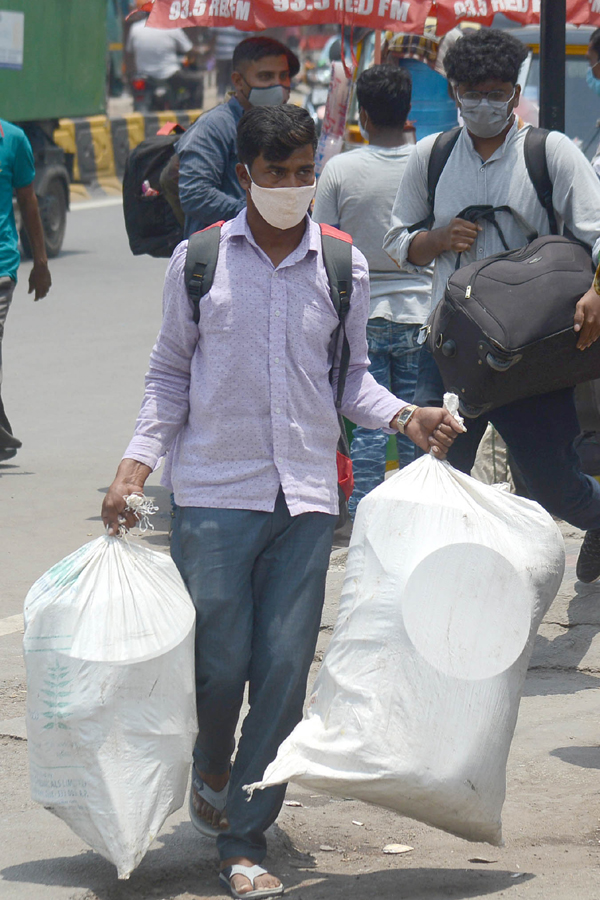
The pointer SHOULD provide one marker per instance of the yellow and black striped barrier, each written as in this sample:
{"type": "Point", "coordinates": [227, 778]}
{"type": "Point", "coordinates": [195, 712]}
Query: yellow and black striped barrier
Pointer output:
{"type": "Point", "coordinates": [99, 145]}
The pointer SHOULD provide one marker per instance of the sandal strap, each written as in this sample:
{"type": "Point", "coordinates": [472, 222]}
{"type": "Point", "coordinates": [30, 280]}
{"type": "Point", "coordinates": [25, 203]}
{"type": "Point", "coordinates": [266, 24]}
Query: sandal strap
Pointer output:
{"type": "Point", "coordinates": [249, 872]}
{"type": "Point", "coordinates": [216, 799]}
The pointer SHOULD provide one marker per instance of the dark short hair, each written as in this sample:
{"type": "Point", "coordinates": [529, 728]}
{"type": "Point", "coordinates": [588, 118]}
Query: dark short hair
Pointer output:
{"type": "Point", "coordinates": [595, 41]}
{"type": "Point", "coordinates": [384, 92]}
{"type": "Point", "coordinates": [274, 131]}
{"type": "Point", "coordinates": [485, 55]}
{"type": "Point", "coordinates": [254, 48]}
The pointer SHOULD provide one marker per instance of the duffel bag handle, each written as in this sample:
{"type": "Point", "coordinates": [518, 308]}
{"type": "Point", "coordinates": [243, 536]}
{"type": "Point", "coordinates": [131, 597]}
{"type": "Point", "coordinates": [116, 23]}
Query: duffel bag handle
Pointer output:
{"type": "Point", "coordinates": [488, 212]}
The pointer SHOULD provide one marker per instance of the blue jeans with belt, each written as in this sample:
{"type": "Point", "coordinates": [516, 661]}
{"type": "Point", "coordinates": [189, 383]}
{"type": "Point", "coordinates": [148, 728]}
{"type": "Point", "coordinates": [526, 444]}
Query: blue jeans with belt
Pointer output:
{"type": "Point", "coordinates": [394, 355]}
{"type": "Point", "coordinates": [257, 580]}
{"type": "Point", "coordinates": [539, 432]}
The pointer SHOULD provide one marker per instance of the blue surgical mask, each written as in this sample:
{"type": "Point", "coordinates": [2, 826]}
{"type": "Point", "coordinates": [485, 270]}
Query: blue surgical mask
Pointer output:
{"type": "Point", "coordinates": [274, 95]}
{"type": "Point", "coordinates": [592, 82]}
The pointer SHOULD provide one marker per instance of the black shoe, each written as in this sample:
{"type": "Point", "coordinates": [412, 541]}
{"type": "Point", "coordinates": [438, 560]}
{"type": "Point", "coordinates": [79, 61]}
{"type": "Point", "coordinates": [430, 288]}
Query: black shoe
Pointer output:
{"type": "Point", "coordinates": [8, 441]}
{"type": "Point", "coordinates": [7, 453]}
{"type": "Point", "coordinates": [588, 563]}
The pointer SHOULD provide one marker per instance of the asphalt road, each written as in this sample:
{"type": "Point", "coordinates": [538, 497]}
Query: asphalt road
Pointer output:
{"type": "Point", "coordinates": [73, 379]}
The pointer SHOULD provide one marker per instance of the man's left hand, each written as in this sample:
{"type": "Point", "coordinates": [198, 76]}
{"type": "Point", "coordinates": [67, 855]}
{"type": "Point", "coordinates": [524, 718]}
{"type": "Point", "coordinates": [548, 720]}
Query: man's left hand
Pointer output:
{"type": "Point", "coordinates": [431, 428]}
{"type": "Point", "coordinates": [39, 280]}
{"type": "Point", "coordinates": [587, 319]}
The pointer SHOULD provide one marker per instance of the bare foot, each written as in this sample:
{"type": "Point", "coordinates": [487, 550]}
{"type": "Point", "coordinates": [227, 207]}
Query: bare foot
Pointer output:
{"type": "Point", "coordinates": [205, 810]}
{"type": "Point", "coordinates": [242, 884]}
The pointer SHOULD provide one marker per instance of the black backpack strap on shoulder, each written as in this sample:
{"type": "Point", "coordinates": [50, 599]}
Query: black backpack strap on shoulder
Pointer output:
{"type": "Point", "coordinates": [537, 168]}
{"type": "Point", "coordinates": [337, 257]}
{"type": "Point", "coordinates": [440, 153]}
{"type": "Point", "coordinates": [200, 264]}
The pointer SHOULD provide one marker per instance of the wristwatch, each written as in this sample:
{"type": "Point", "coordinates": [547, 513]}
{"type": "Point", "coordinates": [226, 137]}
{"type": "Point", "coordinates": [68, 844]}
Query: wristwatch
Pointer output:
{"type": "Point", "coordinates": [401, 419]}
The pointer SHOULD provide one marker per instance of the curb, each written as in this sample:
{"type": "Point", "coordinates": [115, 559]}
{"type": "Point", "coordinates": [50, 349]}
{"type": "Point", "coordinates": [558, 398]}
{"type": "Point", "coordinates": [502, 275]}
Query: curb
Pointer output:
{"type": "Point", "coordinates": [98, 146]}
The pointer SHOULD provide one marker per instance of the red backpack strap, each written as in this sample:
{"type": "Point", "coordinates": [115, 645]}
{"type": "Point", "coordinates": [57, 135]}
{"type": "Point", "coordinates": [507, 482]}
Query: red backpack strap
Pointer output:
{"type": "Point", "coordinates": [200, 264]}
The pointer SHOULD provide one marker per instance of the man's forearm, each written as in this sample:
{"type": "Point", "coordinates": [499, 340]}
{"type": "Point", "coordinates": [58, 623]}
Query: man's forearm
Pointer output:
{"type": "Point", "coordinates": [427, 246]}
{"type": "Point", "coordinates": [32, 221]}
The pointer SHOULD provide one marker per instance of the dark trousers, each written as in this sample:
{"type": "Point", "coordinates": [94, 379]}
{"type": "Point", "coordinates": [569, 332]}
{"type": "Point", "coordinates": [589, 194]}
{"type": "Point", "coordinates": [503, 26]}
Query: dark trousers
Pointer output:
{"type": "Point", "coordinates": [257, 581]}
{"type": "Point", "coordinates": [539, 432]}
{"type": "Point", "coordinates": [7, 289]}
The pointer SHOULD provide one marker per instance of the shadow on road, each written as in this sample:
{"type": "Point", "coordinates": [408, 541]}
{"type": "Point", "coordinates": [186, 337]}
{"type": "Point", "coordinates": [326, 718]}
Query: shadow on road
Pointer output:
{"type": "Point", "coordinates": [584, 757]}
{"type": "Point", "coordinates": [163, 875]}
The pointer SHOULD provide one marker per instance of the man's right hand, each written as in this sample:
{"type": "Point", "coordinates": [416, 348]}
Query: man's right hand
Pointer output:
{"type": "Point", "coordinates": [460, 235]}
{"type": "Point", "coordinates": [130, 479]}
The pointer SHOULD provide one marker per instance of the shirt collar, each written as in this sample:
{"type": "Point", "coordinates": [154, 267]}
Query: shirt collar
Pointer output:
{"type": "Point", "coordinates": [510, 136]}
{"type": "Point", "coordinates": [311, 239]}
{"type": "Point", "coordinates": [236, 107]}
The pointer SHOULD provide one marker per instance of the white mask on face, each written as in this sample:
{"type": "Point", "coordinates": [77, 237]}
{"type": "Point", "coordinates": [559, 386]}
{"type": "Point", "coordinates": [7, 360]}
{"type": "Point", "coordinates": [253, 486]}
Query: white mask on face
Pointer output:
{"type": "Point", "coordinates": [282, 207]}
{"type": "Point", "coordinates": [485, 119]}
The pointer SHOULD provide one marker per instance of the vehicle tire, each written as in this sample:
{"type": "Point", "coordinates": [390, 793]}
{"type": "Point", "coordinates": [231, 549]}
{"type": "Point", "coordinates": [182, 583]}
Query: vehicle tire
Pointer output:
{"type": "Point", "coordinates": [53, 212]}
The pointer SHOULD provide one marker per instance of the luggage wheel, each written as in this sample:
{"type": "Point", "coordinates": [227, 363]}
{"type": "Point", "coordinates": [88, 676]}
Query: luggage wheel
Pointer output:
{"type": "Point", "coordinates": [501, 365]}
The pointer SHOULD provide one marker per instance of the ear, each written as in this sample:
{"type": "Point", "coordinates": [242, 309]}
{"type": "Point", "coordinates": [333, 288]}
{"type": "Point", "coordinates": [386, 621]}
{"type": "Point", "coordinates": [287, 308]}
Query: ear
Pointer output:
{"type": "Point", "coordinates": [517, 96]}
{"type": "Point", "coordinates": [243, 177]}
{"type": "Point", "coordinates": [237, 81]}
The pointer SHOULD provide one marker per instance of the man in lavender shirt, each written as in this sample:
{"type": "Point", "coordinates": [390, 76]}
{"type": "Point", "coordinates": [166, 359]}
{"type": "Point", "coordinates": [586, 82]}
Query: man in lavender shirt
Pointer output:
{"type": "Point", "coordinates": [244, 405]}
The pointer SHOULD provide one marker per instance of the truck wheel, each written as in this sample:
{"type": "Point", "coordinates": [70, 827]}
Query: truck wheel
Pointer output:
{"type": "Point", "coordinates": [53, 213]}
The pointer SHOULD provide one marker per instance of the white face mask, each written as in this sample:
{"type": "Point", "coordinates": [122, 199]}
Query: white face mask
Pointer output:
{"type": "Point", "coordinates": [282, 207]}
{"type": "Point", "coordinates": [363, 131]}
{"type": "Point", "coordinates": [485, 119]}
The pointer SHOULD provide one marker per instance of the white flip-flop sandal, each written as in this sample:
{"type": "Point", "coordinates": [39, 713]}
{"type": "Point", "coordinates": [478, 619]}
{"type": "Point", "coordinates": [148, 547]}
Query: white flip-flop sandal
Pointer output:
{"type": "Point", "coordinates": [250, 872]}
{"type": "Point", "coordinates": [216, 799]}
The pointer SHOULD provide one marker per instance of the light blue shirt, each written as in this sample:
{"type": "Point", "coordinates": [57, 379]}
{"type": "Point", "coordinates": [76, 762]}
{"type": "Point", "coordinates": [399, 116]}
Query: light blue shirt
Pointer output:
{"type": "Point", "coordinates": [17, 170]}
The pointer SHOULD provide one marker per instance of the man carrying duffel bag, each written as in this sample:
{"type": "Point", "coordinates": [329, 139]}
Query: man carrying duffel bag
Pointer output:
{"type": "Point", "coordinates": [550, 186]}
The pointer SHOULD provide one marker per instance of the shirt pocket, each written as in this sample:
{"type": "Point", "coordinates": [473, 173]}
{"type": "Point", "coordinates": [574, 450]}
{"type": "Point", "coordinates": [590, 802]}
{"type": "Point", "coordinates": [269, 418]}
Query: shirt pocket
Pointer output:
{"type": "Point", "coordinates": [317, 328]}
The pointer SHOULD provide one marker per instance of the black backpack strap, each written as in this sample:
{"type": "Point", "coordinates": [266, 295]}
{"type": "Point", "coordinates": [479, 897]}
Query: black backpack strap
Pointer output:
{"type": "Point", "coordinates": [337, 256]}
{"type": "Point", "coordinates": [440, 153]}
{"type": "Point", "coordinates": [537, 168]}
{"type": "Point", "coordinates": [200, 264]}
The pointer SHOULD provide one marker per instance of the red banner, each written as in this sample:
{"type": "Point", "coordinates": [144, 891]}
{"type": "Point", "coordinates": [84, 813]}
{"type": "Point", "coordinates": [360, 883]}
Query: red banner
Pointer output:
{"type": "Point", "coordinates": [527, 12]}
{"type": "Point", "coordinates": [255, 15]}
{"type": "Point", "coordinates": [396, 15]}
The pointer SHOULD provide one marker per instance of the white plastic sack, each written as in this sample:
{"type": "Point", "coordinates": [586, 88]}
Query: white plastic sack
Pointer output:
{"type": "Point", "coordinates": [111, 716]}
{"type": "Point", "coordinates": [416, 701]}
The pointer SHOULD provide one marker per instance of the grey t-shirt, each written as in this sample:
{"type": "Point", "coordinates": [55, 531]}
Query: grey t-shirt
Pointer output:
{"type": "Point", "coordinates": [356, 193]}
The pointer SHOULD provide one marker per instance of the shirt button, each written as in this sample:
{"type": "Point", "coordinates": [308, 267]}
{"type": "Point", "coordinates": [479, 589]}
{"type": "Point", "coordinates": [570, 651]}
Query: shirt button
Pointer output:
{"type": "Point", "coordinates": [275, 274]}
{"type": "Point", "coordinates": [276, 359]}
{"type": "Point", "coordinates": [280, 459]}
{"type": "Point", "coordinates": [278, 410]}
{"type": "Point", "coordinates": [482, 169]}
{"type": "Point", "coordinates": [480, 250]}
{"type": "Point", "coordinates": [277, 313]}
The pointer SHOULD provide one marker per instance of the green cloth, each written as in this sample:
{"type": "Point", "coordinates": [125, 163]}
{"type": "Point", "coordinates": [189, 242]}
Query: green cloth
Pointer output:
{"type": "Point", "coordinates": [17, 170]}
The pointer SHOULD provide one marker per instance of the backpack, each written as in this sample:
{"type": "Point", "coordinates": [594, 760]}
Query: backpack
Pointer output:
{"type": "Point", "coordinates": [200, 265]}
{"type": "Point", "coordinates": [535, 160]}
{"type": "Point", "coordinates": [152, 226]}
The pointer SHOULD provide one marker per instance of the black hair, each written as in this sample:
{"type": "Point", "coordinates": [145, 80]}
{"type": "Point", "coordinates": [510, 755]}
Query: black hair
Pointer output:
{"type": "Point", "coordinates": [594, 43]}
{"type": "Point", "coordinates": [254, 48]}
{"type": "Point", "coordinates": [485, 55]}
{"type": "Point", "coordinates": [384, 92]}
{"type": "Point", "coordinates": [274, 131]}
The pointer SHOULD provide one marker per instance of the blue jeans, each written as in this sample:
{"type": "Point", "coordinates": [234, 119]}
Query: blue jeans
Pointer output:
{"type": "Point", "coordinates": [394, 355]}
{"type": "Point", "coordinates": [539, 432]}
{"type": "Point", "coordinates": [257, 581]}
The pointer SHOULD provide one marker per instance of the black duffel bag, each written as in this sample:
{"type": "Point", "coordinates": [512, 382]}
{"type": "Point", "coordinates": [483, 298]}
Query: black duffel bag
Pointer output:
{"type": "Point", "coordinates": [504, 328]}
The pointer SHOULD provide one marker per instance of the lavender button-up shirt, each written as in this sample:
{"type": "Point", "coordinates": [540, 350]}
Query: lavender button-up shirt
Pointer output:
{"type": "Point", "coordinates": [242, 402]}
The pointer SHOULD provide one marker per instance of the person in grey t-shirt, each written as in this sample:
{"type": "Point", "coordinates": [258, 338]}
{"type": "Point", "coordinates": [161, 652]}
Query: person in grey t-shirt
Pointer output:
{"type": "Point", "coordinates": [487, 166]}
{"type": "Point", "coordinates": [356, 193]}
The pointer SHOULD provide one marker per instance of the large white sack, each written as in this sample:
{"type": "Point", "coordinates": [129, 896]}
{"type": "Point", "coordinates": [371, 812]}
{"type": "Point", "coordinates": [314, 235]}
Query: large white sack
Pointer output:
{"type": "Point", "coordinates": [111, 717]}
{"type": "Point", "coordinates": [416, 701]}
